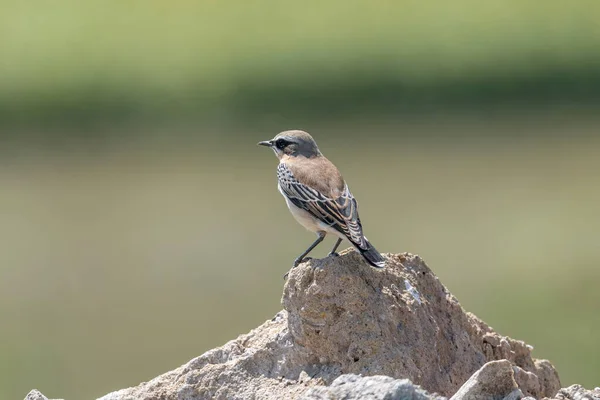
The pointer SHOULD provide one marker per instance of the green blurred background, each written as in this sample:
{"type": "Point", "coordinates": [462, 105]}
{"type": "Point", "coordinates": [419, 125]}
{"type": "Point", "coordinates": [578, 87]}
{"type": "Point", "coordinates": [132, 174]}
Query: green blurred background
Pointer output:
{"type": "Point", "coordinates": [141, 226]}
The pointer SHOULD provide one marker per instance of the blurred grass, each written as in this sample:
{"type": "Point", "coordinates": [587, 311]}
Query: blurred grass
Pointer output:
{"type": "Point", "coordinates": [74, 62]}
{"type": "Point", "coordinates": [123, 264]}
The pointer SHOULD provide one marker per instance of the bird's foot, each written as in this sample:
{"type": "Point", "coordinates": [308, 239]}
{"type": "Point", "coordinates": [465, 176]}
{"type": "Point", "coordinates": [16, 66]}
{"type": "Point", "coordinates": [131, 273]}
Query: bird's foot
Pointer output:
{"type": "Point", "coordinates": [299, 261]}
{"type": "Point", "coordinates": [333, 254]}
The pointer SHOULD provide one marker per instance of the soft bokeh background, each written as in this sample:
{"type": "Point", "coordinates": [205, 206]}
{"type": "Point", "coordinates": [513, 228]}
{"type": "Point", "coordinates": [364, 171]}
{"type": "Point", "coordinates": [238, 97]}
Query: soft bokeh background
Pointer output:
{"type": "Point", "coordinates": [140, 224]}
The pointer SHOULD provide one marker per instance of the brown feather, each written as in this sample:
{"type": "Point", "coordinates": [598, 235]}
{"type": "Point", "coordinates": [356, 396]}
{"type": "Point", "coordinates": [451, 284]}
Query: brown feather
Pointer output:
{"type": "Point", "coordinates": [317, 173]}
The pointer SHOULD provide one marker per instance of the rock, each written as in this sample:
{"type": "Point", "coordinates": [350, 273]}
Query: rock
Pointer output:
{"type": "Point", "coordinates": [35, 395]}
{"type": "Point", "coordinates": [263, 364]}
{"type": "Point", "coordinates": [495, 380]}
{"type": "Point", "coordinates": [578, 392]}
{"type": "Point", "coordinates": [344, 317]}
{"type": "Point", "coordinates": [400, 322]}
{"type": "Point", "coordinates": [355, 387]}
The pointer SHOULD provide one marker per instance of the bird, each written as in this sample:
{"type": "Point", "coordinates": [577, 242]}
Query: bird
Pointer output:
{"type": "Point", "coordinates": [317, 195]}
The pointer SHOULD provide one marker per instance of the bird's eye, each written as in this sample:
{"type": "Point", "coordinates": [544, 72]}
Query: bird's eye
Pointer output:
{"type": "Point", "coordinates": [280, 143]}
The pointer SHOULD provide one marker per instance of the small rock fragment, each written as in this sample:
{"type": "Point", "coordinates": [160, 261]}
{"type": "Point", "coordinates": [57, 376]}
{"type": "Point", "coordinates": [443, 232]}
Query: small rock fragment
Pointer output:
{"type": "Point", "coordinates": [35, 395]}
{"type": "Point", "coordinates": [577, 392]}
{"type": "Point", "coordinates": [355, 387]}
{"type": "Point", "coordinates": [495, 380]}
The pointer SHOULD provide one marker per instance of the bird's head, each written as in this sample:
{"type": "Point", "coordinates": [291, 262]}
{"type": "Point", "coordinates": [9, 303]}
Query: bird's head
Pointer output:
{"type": "Point", "coordinates": [294, 144]}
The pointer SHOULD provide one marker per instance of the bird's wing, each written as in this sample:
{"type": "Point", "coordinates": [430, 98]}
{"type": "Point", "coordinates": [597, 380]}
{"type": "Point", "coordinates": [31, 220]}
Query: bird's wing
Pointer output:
{"type": "Point", "coordinates": [340, 213]}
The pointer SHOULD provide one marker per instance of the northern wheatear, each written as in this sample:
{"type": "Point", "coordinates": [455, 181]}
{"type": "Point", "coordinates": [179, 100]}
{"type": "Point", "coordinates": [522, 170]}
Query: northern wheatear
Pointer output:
{"type": "Point", "coordinates": [317, 195]}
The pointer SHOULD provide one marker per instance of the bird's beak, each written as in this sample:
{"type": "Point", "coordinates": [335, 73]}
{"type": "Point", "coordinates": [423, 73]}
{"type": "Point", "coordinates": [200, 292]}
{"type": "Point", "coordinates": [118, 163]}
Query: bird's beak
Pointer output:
{"type": "Point", "coordinates": [267, 143]}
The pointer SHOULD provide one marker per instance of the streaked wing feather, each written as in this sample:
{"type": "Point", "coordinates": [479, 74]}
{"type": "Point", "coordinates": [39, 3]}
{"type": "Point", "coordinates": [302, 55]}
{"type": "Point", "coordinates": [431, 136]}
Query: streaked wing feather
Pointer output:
{"type": "Point", "coordinates": [341, 213]}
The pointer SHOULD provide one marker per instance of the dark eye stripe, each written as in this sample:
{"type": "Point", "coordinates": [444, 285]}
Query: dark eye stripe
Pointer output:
{"type": "Point", "coordinates": [282, 143]}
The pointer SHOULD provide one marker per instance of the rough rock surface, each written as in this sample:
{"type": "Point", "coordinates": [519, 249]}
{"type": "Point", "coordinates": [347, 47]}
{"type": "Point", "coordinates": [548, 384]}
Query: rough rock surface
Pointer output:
{"type": "Point", "coordinates": [343, 317]}
{"type": "Point", "coordinates": [355, 387]}
{"type": "Point", "coordinates": [399, 321]}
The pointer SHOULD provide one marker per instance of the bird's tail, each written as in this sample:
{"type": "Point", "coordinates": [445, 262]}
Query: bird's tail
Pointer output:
{"type": "Point", "coordinates": [371, 254]}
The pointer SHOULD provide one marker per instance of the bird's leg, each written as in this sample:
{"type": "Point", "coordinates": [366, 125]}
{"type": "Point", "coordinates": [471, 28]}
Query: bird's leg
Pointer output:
{"type": "Point", "coordinates": [335, 246]}
{"type": "Point", "coordinates": [300, 258]}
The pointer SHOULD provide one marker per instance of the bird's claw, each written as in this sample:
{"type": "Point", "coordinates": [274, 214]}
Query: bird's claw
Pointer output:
{"type": "Point", "coordinates": [334, 254]}
{"type": "Point", "coordinates": [299, 261]}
